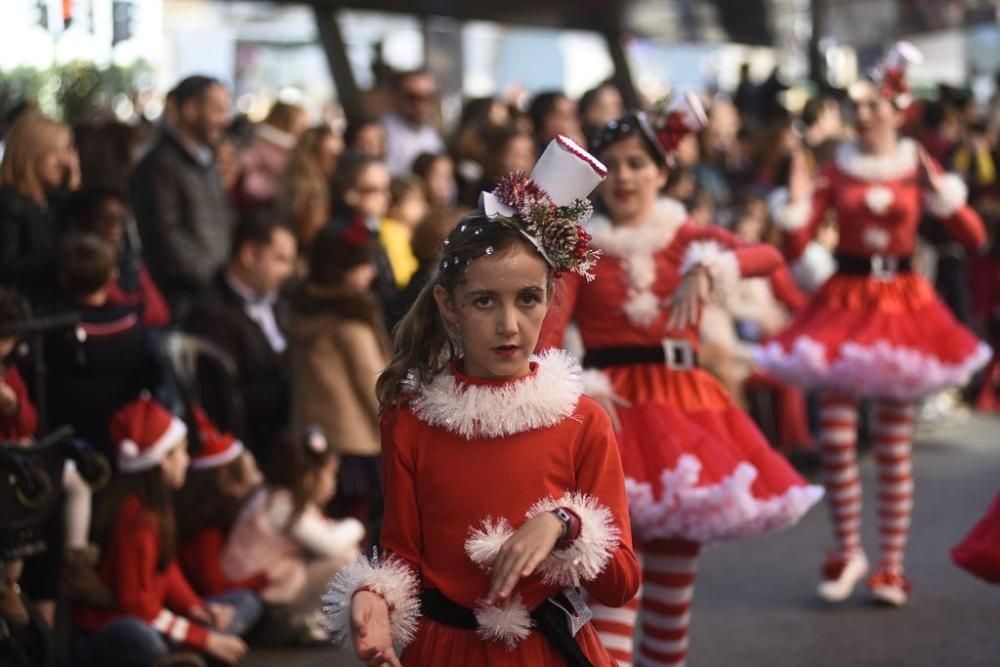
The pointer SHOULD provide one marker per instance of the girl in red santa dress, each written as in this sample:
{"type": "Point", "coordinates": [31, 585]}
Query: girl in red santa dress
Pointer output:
{"type": "Point", "coordinates": [503, 487]}
{"type": "Point", "coordinates": [697, 469]}
{"type": "Point", "coordinates": [875, 329]}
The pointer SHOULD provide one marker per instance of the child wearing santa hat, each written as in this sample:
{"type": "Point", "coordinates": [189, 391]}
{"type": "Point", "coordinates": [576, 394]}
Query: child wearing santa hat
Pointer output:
{"type": "Point", "coordinates": [156, 610]}
{"type": "Point", "coordinates": [283, 532]}
{"type": "Point", "coordinates": [223, 476]}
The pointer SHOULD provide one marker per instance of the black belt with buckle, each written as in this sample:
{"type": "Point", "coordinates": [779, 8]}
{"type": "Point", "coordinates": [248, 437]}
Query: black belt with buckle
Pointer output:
{"type": "Point", "coordinates": [878, 266]}
{"type": "Point", "coordinates": [675, 354]}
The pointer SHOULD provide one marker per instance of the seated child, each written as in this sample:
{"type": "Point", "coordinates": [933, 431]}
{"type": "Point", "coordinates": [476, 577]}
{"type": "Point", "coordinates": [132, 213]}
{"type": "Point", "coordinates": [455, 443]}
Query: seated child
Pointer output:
{"type": "Point", "coordinates": [283, 533]}
{"type": "Point", "coordinates": [156, 610]}
{"type": "Point", "coordinates": [223, 476]}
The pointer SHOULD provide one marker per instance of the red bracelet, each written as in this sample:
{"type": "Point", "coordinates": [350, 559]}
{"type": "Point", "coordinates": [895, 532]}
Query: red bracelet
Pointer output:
{"type": "Point", "coordinates": [573, 528]}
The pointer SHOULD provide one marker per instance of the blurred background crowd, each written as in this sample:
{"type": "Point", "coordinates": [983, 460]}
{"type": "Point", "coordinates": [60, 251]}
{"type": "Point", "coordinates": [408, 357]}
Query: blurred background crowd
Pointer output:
{"type": "Point", "coordinates": [245, 275]}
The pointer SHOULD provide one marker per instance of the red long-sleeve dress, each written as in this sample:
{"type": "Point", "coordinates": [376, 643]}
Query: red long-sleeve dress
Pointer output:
{"type": "Point", "coordinates": [696, 466]}
{"type": "Point", "coordinates": [886, 334]}
{"type": "Point", "coordinates": [466, 461]}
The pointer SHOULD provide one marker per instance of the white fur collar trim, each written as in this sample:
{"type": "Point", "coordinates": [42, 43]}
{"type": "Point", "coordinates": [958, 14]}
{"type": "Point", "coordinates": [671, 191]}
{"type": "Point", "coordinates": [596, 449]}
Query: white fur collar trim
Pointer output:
{"type": "Point", "coordinates": [473, 411]}
{"type": "Point", "coordinates": [853, 162]}
{"type": "Point", "coordinates": [635, 248]}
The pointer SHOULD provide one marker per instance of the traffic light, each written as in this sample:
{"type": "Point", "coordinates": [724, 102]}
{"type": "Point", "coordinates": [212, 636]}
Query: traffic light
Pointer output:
{"type": "Point", "coordinates": [123, 14]}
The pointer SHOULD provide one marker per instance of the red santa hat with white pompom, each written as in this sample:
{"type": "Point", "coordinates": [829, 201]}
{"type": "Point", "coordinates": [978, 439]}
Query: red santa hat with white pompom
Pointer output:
{"type": "Point", "coordinates": [144, 432]}
{"type": "Point", "coordinates": [217, 448]}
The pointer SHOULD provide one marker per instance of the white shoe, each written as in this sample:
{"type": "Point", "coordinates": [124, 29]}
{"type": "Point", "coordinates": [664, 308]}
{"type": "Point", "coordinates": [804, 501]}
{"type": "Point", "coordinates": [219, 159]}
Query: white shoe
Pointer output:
{"type": "Point", "coordinates": [840, 576]}
{"type": "Point", "coordinates": [890, 589]}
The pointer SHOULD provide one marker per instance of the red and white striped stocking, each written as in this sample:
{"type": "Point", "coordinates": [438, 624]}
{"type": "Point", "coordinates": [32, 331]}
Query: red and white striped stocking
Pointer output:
{"type": "Point", "coordinates": [893, 445]}
{"type": "Point", "coordinates": [668, 587]}
{"type": "Point", "coordinates": [838, 419]}
{"type": "Point", "coordinates": [616, 625]}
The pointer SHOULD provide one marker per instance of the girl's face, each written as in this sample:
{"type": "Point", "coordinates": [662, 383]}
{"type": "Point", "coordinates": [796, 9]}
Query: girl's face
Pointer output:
{"type": "Point", "coordinates": [634, 180]}
{"type": "Point", "coordinates": [175, 465]}
{"type": "Point", "coordinates": [328, 153]}
{"type": "Point", "coordinates": [370, 140]}
{"type": "Point", "coordinates": [370, 193]}
{"type": "Point", "coordinates": [112, 218]}
{"type": "Point", "coordinates": [411, 208]}
{"type": "Point", "coordinates": [873, 115]}
{"type": "Point", "coordinates": [498, 311]}
{"type": "Point", "coordinates": [441, 182]}
{"type": "Point", "coordinates": [53, 165]}
{"type": "Point", "coordinates": [324, 482]}
{"type": "Point", "coordinates": [518, 154]}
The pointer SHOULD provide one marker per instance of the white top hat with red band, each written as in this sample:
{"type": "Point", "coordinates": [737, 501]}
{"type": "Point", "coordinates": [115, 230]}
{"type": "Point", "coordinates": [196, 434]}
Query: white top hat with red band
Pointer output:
{"type": "Point", "coordinates": [217, 448]}
{"type": "Point", "coordinates": [144, 432]}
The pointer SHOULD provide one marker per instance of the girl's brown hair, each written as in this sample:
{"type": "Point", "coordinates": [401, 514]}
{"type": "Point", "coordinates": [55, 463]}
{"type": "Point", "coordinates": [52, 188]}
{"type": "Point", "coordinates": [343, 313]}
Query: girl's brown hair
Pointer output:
{"type": "Point", "coordinates": [32, 136]}
{"type": "Point", "coordinates": [423, 346]}
{"type": "Point", "coordinates": [304, 184]}
{"type": "Point", "coordinates": [296, 456]}
{"type": "Point", "coordinates": [154, 495]}
{"type": "Point", "coordinates": [202, 504]}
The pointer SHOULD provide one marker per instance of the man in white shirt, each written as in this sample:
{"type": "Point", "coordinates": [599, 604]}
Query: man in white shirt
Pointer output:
{"type": "Point", "coordinates": [409, 129]}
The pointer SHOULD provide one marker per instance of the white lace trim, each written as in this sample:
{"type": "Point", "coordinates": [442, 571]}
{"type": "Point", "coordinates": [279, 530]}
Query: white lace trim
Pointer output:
{"type": "Point", "coordinates": [471, 411]}
{"type": "Point", "coordinates": [724, 510]}
{"type": "Point", "coordinates": [635, 248]}
{"type": "Point", "coordinates": [881, 370]}
{"type": "Point", "coordinates": [901, 163]}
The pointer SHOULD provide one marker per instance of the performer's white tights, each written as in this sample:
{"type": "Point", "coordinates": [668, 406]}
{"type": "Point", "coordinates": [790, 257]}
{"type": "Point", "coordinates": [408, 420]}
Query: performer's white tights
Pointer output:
{"type": "Point", "coordinates": [893, 434]}
{"type": "Point", "coordinates": [669, 568]}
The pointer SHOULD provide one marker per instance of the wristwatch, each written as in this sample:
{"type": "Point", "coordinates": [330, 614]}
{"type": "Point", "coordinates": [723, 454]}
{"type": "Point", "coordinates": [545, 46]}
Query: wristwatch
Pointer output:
{"type": "Point", "coordinates": [566, 519]}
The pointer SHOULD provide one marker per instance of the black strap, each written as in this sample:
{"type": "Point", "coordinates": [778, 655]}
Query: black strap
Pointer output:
{"type": "Point", "coordinates": [602, 357]}
{"type": "Point", "coordinates": [549, 620]}
{"type": "Point", "coordinates": [855, 265]}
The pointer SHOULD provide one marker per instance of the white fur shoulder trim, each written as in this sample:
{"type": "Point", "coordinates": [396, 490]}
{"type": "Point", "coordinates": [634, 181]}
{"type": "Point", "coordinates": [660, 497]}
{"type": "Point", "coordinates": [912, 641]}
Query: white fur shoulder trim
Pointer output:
{"type": "Point", "coordinates": [538, 401]}
{"type": "Point", "coordinates": [787, 215]}
{"type": "Point", "coordinates": [656, 234]}
{"type": "Point", "coordinates": [590, 552]}
{"type": "Point", "coordinates": [389, 577]}
{"type": "Point", "coordinates": [720, 261]}
{"type": "Point", "coordinates": [952, 196]}
{"type": "Point", "coordinates": [853, 162]}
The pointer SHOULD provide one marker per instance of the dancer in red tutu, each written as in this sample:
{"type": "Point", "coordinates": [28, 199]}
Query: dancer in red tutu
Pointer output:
{"type": "Point", "coordinates": [875, 329]}
{"type": "Point", "coordinates": [697, 468]}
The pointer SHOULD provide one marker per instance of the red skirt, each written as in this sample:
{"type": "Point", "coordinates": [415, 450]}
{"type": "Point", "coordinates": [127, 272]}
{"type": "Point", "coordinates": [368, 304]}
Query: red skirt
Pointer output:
{"type": "Point", "coordinates": [875, 338]}
{"type": "Point", "coordinates": [438, 644]}
{"type": "Point", "coordinates": [979, 552]}
{"type": "Point", "coordinates": [696, 466]}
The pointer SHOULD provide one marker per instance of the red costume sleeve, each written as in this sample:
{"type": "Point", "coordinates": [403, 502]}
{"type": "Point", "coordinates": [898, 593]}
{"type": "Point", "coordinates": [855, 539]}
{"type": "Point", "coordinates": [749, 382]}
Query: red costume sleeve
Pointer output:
{"type": "Point", "coordinates": [138, 586]}
{"type": "Point", "coordinates": [800, 226]}
{"type": "Point", "coordinates": [599, 474]}
{"type": "Point", "coordinates": [786, 290]}
{"type": "Point", "coordinates": [401, 522]}
{"type": "Point", "coordinates": [156, 312]}
{"type": "Point", "coordinates": [23, 423]}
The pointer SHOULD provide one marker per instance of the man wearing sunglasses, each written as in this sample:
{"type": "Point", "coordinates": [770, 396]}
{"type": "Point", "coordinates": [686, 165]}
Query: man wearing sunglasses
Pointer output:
{"type": "Point", "coordinates": [409, 128]}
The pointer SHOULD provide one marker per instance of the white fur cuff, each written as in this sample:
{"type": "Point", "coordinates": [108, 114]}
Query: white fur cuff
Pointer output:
{"type": "Point", "coordinates": [509, 623]}
{"type": "Point", "coordinates": [951, 197]}
{"type": "Point", "coordinates": [390, 578]}
{"type": "Point", "coordinates": [788, 215]}
{"type": "Point", "coordinates": [596, 383]}
{"type": "Point", "coordinates": [720, 262]}
{"type": "Point", "coordinates": [590, 552]}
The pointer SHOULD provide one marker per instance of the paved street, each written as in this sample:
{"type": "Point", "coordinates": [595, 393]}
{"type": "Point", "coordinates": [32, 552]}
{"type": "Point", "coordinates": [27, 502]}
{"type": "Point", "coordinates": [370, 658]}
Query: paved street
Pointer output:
{"type": "Point", "coordinates": [754, 603]}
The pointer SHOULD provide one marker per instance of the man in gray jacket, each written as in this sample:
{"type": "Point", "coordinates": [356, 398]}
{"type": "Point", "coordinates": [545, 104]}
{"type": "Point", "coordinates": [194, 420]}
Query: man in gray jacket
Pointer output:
{"type": "Point", "coordinates": [181, 208]}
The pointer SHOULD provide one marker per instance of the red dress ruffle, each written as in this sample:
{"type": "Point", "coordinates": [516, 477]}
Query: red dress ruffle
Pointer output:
{"type": "Point", "coordinates": [880, 338]}
{"type": "Point", "coordinates": [979, 552]}
{"type": "Point", "coordinates": [696, 466]}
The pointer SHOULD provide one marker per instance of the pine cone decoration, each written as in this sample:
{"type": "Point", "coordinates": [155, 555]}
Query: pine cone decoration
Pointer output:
{"type": "Point", "coordinates": [560, 237]}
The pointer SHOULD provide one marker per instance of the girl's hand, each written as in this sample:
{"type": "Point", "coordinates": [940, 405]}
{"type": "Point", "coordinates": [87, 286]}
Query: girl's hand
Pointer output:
{"type": "Point", "coordinates": [227, 648]}
{"type": "Point", "coordinates": [800, 181]}
{"type": "Point", "coordinates": [522, 552]}
{"type": "Point", "coordinates": [221, 615]}
{"type": "Point", "coordinates": [611, 403]}
{"type": "Point", "coordinates": [370, 630]}
{"type": "Point", "coordinates": [692, 292]}
{"type": "Point", "coordinates": [8, 400]}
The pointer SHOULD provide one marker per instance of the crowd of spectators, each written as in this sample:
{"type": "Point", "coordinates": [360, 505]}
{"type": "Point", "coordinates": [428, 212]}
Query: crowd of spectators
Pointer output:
{"type": "Point", "coordinates": [281, 257]}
